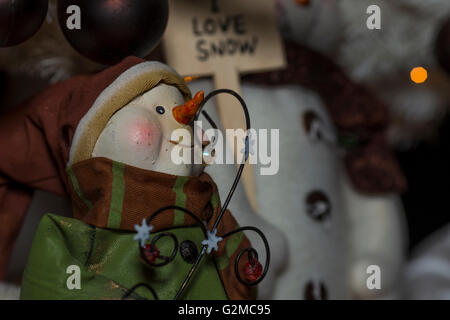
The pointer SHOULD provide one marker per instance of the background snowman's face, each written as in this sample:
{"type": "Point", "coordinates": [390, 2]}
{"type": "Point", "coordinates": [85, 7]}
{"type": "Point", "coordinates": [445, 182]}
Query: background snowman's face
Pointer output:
{"type": "Point", "coordinates": [314, 23]}
{"type": "Point", "coordinates": [139, 134]}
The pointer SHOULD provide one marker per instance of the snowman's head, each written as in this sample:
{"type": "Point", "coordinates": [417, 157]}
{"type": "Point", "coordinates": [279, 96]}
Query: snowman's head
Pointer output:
{"type": "Point", "coordinates": [134, 119]}
{"type": "Point", "coordinates": [314, 23]}
{"type": "Point", "coordinates": [140, 133]}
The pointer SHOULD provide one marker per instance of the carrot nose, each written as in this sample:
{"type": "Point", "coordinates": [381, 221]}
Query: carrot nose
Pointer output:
{"type": "Point", "coordinates": [184, 114]}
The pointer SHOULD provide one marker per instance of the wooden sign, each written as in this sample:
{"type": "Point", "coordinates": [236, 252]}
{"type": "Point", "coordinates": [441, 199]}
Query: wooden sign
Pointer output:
{"type": "Point", "coordinates": [223, 39]}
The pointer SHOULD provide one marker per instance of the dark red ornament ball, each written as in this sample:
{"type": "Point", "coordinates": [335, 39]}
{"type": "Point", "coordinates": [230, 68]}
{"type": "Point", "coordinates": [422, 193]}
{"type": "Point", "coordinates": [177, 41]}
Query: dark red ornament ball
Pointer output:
{"type": "Point", "coordinates": [253, 271]}
{"type": "Point", "coordinates": [111, 30]}
{"type": "Point", "coordinates": [151, 253]}
{"type": "Point", "coordinates": [20, 20]}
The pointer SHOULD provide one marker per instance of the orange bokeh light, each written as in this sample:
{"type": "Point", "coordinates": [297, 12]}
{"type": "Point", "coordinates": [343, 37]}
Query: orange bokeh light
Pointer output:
{"type": "Point", "coordinates": [419, 75]}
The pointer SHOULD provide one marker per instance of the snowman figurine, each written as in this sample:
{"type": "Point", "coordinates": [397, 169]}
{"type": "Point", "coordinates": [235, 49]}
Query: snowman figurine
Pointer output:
{"type": "Point", "coordinates": [337, 239]}
{"type": "Point", "coordinates": [141, 222]}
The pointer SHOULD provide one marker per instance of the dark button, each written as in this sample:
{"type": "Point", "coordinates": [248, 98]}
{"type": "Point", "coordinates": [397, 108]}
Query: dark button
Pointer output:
{"type": "Point", "coordinates": [188, 251]}
{"type": "Point", "coordinates": [313, 125]}
{"type": "Point", "coordinates": [315, 290]}
{"type": "Point", "coordinates": [318, 206]}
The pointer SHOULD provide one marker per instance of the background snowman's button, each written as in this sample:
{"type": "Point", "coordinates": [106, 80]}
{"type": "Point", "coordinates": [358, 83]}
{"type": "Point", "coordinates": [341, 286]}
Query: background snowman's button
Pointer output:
{"type": "Point", "coordinates": [313, 125]}
{"type": "Point", "coordinates": [316, 129]}
{"type": "Point", "coordinates": [318, 205]}
{"type": "Point", "coordinates": [315, 290]}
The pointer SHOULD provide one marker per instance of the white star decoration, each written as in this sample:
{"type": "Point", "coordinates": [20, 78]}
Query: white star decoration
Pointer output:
{"type": "Point", "coordinates": [143, 232]}
{"type": "Point", "coordinates": [250, 143]}
{"type": "Point", "coordinates": [212, 240]}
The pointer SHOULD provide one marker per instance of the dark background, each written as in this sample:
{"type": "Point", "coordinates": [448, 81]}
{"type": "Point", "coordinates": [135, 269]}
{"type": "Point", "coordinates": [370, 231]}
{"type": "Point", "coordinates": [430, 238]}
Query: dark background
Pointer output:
{"type": "Point", "coordinates": [427, 169]}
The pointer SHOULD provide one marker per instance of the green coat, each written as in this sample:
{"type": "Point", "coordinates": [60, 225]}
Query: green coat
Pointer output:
{"type": "Point", "coordinates": [109, 199]}
{"type": "Point", "coordinates": [109, 264]}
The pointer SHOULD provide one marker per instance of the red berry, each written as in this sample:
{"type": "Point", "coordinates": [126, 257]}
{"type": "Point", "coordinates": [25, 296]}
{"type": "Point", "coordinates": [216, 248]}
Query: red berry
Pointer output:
{"type": "Point", "coordinates": [151, 253]}
{"type": "Point", "coordinates": [253, 271]}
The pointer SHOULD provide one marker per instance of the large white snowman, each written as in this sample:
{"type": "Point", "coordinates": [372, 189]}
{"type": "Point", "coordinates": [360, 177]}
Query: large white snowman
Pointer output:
{"type": "Point", "coordinates": [328, 241]}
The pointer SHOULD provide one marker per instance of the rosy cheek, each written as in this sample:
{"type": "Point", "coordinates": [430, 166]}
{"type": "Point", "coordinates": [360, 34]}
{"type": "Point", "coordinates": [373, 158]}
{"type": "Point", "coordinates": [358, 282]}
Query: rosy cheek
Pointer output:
{"type": "Point", "coordinates": [143, 133]}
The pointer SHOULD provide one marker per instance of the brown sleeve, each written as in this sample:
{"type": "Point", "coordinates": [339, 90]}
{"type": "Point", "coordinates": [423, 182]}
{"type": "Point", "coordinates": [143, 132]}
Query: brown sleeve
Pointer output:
{"type": "Point", "coordinates": [25, 163]}
{"type": "Point", "coordinates": [373, 168]}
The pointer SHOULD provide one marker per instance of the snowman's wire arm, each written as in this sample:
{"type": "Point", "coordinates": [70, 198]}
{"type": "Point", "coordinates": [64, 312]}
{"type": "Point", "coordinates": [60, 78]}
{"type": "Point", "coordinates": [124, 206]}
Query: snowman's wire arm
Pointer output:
{"type": "Point", "coordinates": [236, 180]}
{"type": "Point", "coordinates": [252, 253]}
{"type": "Point", "coordinates": [247, 124]}
{"type": "Point", "coordinates": [209, 119]}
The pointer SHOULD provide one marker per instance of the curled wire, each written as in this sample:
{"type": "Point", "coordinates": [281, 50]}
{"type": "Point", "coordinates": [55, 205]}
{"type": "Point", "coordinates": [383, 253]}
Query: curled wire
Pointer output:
{"type": "Point", "coordinates": [184, 210]}
{"type": "Point", "coordinates": [158, 237]}
{"type": "Point", "coordinates": [134, 288]}
{"type": "Point", "coordinates": [247, 124]}
{"type": "Point", "coordinates": [169, 259]}
{"type": "Point", "coordinates": [252, 255]}
{"type": "Point", "coordinates": [236, 179]}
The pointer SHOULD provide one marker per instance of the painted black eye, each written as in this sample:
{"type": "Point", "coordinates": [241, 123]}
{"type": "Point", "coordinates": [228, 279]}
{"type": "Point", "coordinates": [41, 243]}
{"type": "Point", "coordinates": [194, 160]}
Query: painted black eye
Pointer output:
{"type": "Point", "coordinates": [160, 110]}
